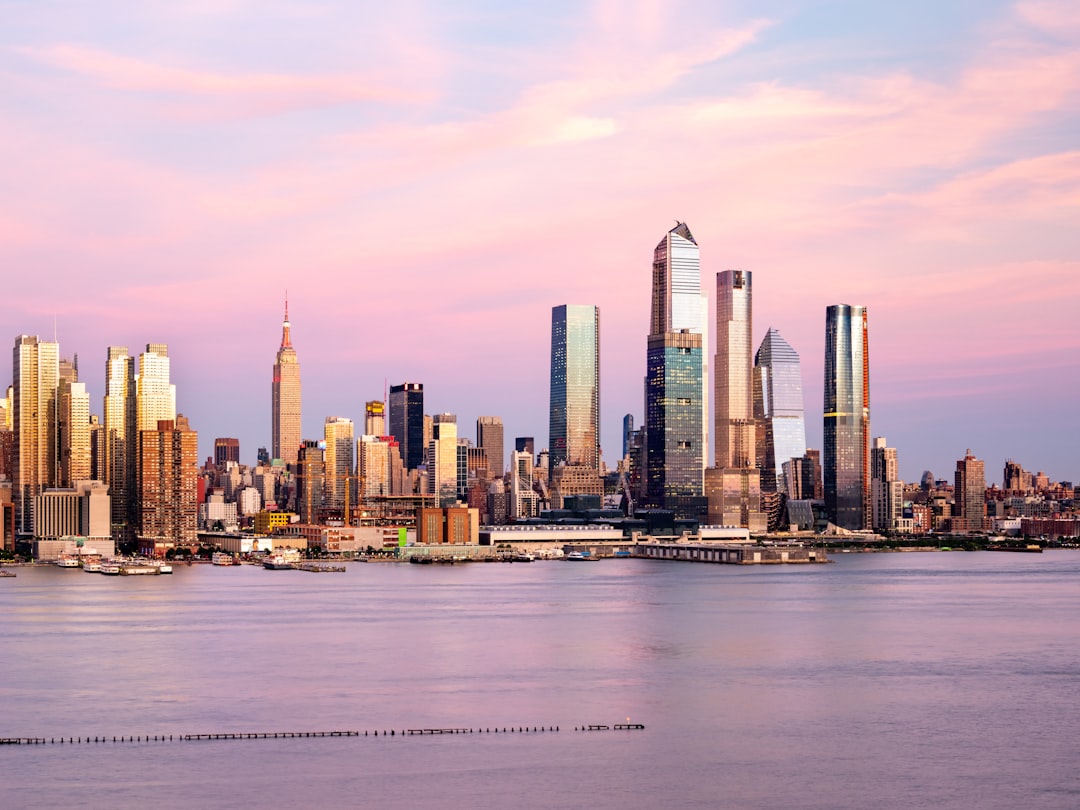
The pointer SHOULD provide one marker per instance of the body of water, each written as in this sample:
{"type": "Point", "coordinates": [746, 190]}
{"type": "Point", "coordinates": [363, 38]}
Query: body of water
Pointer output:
{"type": "Point", "coordinates": [944, 680]}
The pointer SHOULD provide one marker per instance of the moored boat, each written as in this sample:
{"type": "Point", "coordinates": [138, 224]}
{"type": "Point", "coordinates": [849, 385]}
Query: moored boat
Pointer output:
{"type": "Point", "coordinates": [223, 558]}
{"type": "Point", "coordinates": [277, 562]}
{"type": "Point", "coordinates": [67, 561]}
{"type": "Point", "coordinates": [110, 567]}
{"type": "Point", "coordinates": [92, 566]}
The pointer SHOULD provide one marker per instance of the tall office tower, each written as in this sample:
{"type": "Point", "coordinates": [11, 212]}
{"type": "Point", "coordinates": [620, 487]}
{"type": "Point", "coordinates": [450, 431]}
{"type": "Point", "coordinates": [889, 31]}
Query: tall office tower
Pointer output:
{"type": "Point", "coordinates": [886, 488]}
{"type": "Point", "coordinates": [525, 444]}
{"type": "Point", "coordinates": [674, 454]}
{"type": "Point", "coordinates": [374, 418]}
{"type": "Point", "coordinates": [69, 369]}
{"type": "Point", "coordinates": [735, 435]}
{"type": "Point", "coordinates": [36, 374]}
{"type": "Point", "coordinates": [168, 486]}
{"type": "Point", "coordinates": [226, 450]}
{"type": "Point", "coordinates": [678, 304]}
{"type": "Point", "coordinates": [778, 410]}
{"type": "Point", "coordinates": [574, 414]}
{"type": "Point", "coordinates": [489, 437]}
{"type": "Point", "coordinates": [155, 395]}
{"type": "Point", "coordinates": [846, 456]}
{"type": "Point", "coordinates": [406, 419]}
{"type": "Point", "coordinates": [285, 398]}
{"type": "Point", "coordinates": [73, 432]}
{"type": "Point", "coordinates": [373, 466]}
{"type": "Point", "coordinates": [121, 441]}
{"type": "Point", "coordinates": [970, 494]}
{"type": "Point", "coordinates": [442, 469]}
{"type": "Point", "coordinates": [310, 477]}
{"type": "Point", "coordinates": [338, 433]}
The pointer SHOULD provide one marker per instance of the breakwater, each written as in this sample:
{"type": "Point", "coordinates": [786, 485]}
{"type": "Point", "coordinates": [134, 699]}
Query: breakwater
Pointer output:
{"type": "Point", "coordinates": [289, 735]}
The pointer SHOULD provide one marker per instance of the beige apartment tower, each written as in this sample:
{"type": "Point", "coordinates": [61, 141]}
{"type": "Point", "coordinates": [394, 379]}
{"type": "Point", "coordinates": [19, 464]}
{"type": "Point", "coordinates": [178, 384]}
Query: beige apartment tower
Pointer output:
{"type": "Point", "coordinates": [285, 395]}
{"type": "Point", "coordinates": [36, 375]}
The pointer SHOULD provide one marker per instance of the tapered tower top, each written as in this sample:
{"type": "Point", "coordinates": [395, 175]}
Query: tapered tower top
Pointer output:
{"type": "Point", "coordinates": [286, 337]}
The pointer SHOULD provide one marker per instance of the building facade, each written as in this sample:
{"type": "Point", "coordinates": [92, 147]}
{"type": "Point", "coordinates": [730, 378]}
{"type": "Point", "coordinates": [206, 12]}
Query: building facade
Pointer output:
{"type": "Point", "coordinates": [168, 486]}
{"type": "Point", "coordinates": [886, 488]}
{"type": "Point", "coordinates": [970, 494]}
{"type": "Point", "coordinates": [778, 410]}
{"type": "Point", "coordinates": [574, 412]}
{"type": "Point", "coordinates": [406, 418]}
{"type": "Point", "coordinates": [36, 376]}
{"type": "Point", "coordinates": [338, 436]}
{"type": "Point", "coordinates": [846, 451]}
{"type": "Point", "coordinates": [285, 398]}
{"type": "Point", "coordinates": [489, 437]}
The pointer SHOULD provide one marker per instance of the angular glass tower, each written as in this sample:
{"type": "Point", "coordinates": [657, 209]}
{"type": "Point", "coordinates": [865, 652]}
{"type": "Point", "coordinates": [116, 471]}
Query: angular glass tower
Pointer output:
{"type": "Point", "coordinates": [846, 456]}
{"type": "Point", "coordinates": [778, 409]}
{"type": "Point", "coordinates": [574, 414]}
{"type": "Point", "coordinates": [678, 303]}
{"type": "Point", "coordinates": [676, 408]}
{"type": "Point", "coordinates": [406, 418]}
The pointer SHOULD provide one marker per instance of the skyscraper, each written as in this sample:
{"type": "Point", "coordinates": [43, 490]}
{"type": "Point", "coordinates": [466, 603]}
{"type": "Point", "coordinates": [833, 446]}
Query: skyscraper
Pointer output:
{"type": "Point", "coordinates": [574, 413]}
{"type": "Point", "coordinates": [285, 394]}
{"type": "Point", "coordinates": [489, 436]}
{"type": "Point", "coordinates": [673, 432]}
{"type": "Point", "coordinates": [846, 451]}
{"type": "Point", "coordinates": [406, 418]}
{"type": "Point", "coordinates": [886, 488]}
{"type": "Point", "coordinates": [678, 303]}
{"type": "Point", "coordinates": [970, 494]}
{"type": "Point", "coordinates": [155, 397]}
{"type": "Point", "coordinates": [442, 467]}
{"type": "Point", "coordinates": [36, 375]}
{"type": "Point", "coordinates": [73, 432]}
{"type": "Point", "coordinates": [735, 435]}
{"type": "Point", "coordinates": [338, 433]}
{"type": "Point", "coordinates": [310, 471]}
{"type": "Point", "coordinates": [168, 485]}
{"type": "Point", "coordinates": [778, 410]}
{"type": "Point", "coordinates": [121, 440]}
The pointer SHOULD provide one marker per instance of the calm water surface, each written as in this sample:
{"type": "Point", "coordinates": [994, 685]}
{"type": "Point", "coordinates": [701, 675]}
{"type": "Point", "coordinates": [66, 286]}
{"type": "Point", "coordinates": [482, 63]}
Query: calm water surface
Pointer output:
{"type": "Point", "coordinates": [898, 680]}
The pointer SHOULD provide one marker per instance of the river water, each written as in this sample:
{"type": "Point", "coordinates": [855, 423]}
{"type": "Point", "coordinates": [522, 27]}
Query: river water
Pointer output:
{"type": "Point", "coordinates": [944, 680]}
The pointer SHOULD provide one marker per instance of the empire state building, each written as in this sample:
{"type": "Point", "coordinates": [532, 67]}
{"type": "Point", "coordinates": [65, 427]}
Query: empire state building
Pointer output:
{"type": "Point", "coordinates": [286, 398]}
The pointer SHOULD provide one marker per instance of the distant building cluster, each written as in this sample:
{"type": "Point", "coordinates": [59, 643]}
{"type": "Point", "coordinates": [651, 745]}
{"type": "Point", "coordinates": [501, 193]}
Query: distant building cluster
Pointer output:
{"type": "Point", "coordinates": [131, 475]}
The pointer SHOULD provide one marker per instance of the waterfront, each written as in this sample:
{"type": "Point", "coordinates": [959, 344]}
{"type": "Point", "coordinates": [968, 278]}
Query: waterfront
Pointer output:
{"type": "Point", "coordinates": [945, 680]}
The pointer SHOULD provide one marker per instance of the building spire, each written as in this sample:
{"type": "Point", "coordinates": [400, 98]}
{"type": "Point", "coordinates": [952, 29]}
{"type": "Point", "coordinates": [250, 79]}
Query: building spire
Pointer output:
{"type": "Point", "coordinates": [286, 337]}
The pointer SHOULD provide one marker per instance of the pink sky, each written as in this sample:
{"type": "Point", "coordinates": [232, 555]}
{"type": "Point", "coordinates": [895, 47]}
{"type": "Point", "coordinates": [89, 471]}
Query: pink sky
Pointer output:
{"type": "Point", "coordinates": [428, 184]}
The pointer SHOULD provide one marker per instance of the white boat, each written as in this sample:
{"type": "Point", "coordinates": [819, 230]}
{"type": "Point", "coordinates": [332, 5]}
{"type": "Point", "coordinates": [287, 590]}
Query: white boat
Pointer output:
{"type": "Point", "coordinates": [576, 556]}
{"type": "Point", "coordinates": [222, 558]}
{"type": "Point", "coordinates": [523, 556]}
{"type": "Point", "coordinates": [92, 566]}
{"type": "Point", "coordinates": [164, 568]}
{"type": "Point", "coordinates": [68, 562]}
{"type": "Point", "coordinates": [110, 568]}
{"type": "Point", "coordinates": [277, 562]}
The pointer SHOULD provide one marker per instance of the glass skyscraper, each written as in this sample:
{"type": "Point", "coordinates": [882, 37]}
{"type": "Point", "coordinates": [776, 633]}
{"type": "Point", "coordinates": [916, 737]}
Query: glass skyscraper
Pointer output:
{"type": "Point", "coordinates": [574, 415]}
{"type": "Point", "coordinates": [406, 418]}
{"type": "Point", "coordinates": [673, 451]}
{"type": "Point", "coordinates": [778, 409]}
{"type": "Point", "coordinates": [846, 456]}
{"type": "Point", "coordinates": [676, 408]}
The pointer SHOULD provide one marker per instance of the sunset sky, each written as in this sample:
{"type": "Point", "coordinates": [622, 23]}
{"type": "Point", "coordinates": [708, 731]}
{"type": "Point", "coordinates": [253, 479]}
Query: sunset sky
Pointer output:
{"type": "Point", "coordinates": [427, 180]}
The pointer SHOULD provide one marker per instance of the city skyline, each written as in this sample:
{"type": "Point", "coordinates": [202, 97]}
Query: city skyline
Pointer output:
{"type": "Point", "coordinates": [172, 187]}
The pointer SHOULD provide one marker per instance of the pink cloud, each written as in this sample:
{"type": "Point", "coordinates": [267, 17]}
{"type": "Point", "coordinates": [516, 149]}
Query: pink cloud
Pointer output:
{"type": "Point", "coordinates": [246, 93]}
